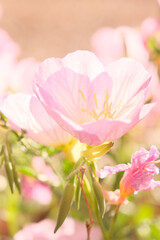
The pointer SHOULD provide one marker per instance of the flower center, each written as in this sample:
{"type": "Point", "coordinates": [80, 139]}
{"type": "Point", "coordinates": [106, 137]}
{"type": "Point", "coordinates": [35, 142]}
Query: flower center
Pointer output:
{"type": "Point", "coordinates": [106, 111]}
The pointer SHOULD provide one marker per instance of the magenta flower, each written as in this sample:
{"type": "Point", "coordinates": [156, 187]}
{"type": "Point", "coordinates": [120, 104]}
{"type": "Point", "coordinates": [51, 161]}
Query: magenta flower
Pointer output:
{"type": "Point", "coordinates": [139, 175]}
{"type": "Point", "coordinates": [93, 103]}
{"type": "Point", "coordinates": [24, 111]}
{"type": "Point", "coordinates": [70, 230]}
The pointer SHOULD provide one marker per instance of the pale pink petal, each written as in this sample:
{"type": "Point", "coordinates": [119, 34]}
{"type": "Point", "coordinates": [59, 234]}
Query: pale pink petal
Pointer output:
{"type": "Point", "coordinates": [47, 68]}
{"type": "Point", "coordinates": [129, 77]}
{"type": "Point", "coordinates": [49, 127]}
{"type": "Point", "coordinates": [134, 44]}
{"type": "Point", "coordinates": [146, 109]}
{"type": "Point", "coordinates": [108, 44]}
{"type": "Point", "coordinates": [41, 167]}
{"type": "Point", "coordinates": [26, 112]}
{"type": "Point", "coordinates": [70, 230]}
{"type": "Point", "coordinates": [153, 184]}
{"type": "Point", "coordinates": [84, 62]}
{"type": "Point", "coordinates": [22, 76]}
{"type": "Point", "coordinates": [149, 26]}
{"type": "Point", "coordinates": [112, 170]}
{"type": "Point", "coordinates": [69, 93]}
{"type": "Point", "coordinates": [41, 193]}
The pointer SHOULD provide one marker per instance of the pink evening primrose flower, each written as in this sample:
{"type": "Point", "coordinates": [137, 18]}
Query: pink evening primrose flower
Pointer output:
{"type": "Point", "coordinates": [138, 175]}
{"type": "Point", "coordinates": [93, 103]}
{"type": "Point", "coordinates": [24, 111]}
{"type": "Point", "coordinates": [70, 230]}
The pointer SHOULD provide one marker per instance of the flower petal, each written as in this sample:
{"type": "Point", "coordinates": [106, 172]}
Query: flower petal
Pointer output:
{"type": "Point", "coordinates": [108, 44]}
{"type": "Point", "coordinates": [26, 112]}
{"type": "Point", "coordinates": [129, 77]}
{"type": "Point", "coordinates": [84, 62]}
{"type": "Point", "coordinates": [112, 170]}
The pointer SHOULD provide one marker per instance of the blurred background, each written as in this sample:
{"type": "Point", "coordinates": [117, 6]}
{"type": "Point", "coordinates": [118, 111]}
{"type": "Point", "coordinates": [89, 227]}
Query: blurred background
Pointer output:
{"type": "Point", "coordinates": [55, 27]}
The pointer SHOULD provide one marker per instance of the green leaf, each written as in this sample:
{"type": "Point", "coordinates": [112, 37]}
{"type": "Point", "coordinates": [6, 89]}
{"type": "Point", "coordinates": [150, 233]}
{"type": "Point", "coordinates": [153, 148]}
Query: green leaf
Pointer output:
{"type": "Point", "coordinates": [9, 175]}
{"type": "Point", "coordinates": [99, 196]}
{"type": "Point", "coordinates": [16, 178]}
{"type": "Point", "coordinates": [77, 193]}
{"type": "Point", "coordinates": [65, 205]}
{"type": "Point", "coordinates": [27, 171]}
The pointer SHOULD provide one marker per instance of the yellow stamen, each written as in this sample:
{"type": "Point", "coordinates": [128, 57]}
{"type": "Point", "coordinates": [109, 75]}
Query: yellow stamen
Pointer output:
{"type": "Point", "coordinates": [91, 113]}
{"type": "Point", "coordinates": [82, 94]}
{"type": "Point", "coordinates": [95, 100]}
{"type": "Point", "coordinates": [107, 107]}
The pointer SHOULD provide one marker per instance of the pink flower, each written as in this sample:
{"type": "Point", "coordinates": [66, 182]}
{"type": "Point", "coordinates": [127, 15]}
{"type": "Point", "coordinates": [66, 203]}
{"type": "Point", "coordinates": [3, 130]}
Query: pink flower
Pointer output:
{"type": "Point", "coordinates": [36, 190]}
{"type": "Point", "coordinates": [24, 111]}
{"type": "Point", "coordinates": [110, 44]}
{"type": "Point", "coordinates": [148, 27]}
{"type": "Point", "coordinates": [70, 230]}
{"type": "Point", "coordinates": [93, 103]}
{"type": "Point", "coordinates": [139, 175]}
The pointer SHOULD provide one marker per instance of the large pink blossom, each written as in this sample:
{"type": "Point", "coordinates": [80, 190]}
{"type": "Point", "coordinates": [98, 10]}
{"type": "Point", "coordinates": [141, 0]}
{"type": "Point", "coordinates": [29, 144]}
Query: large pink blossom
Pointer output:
{"type": "Point", "coordinates": [138, 175]}
{"type": "Point", "coordinates": [70, 230]}
{"type": "Point", "coordinates": [92, 102]}
{"type": "Point", "coordinates": [24, 111]}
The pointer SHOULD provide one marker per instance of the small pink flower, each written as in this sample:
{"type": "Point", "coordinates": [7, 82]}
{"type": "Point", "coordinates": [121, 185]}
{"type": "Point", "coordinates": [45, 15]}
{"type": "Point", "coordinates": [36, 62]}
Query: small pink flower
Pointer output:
{"type": "Point", "coordinates": [36, 190]}
{"type": "Point", "coordinates": [70, 230]}
{"type": "Point", "coordinates": [93, 103]}
{"type": "Point", "coordinates": [139, 175]}
{"type": "Point", "coordinates": [24, 111]}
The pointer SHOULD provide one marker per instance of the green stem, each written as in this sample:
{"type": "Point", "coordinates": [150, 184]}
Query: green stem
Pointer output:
{"type": "Point", "coordinates": [113, 222]}
{"type": "Point", "coordinates": [91, 168]}
{"type": "Point", "coordinates": [100, 222]}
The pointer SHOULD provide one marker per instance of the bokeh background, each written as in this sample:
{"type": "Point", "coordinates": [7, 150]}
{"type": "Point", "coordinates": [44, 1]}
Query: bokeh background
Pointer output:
{"type": "Point", "coordinates": [46, 28]}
